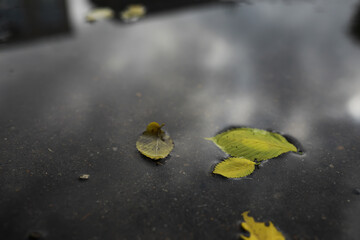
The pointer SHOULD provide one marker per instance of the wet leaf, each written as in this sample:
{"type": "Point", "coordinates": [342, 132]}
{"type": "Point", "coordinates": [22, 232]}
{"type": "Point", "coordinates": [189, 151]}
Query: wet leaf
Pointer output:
{"type": "Point", "coordinates": [258, 230]}
{"type": "Point", "coordinates": [235, 167]}
{"type": "Point", "coordinates": [98, 14]}
{"type": "Point", "coordinates": [252, 143]}
{"type": "Point", "coordinates": [133, 13]}
{"type": "Point", "coordinates": [154, 142]}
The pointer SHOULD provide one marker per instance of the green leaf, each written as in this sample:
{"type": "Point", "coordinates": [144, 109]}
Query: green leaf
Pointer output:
{"type": "Point", "coordinates": [235, 167]}
{"type": "Point", "coordinates": [258, 230]}
{"type": "Point", "coordinates": [154, 142]}
{"type": "Point", "coordinates": [252, 143]}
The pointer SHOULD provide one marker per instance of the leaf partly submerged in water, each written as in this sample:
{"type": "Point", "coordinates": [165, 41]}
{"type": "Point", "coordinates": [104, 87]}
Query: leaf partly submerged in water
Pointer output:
{"type": "Point", "coordinates": [252, 143]}
{"type": "Point", "coordinates": [258, 230]}
{"type": "Point", "coordinates": [235, 167]}
{"type": "Point", "coordinates": [154, 142]}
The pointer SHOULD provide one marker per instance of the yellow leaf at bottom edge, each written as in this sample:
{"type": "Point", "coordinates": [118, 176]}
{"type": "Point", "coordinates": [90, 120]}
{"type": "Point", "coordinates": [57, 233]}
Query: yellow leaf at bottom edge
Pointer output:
{"type": "Point", "coordinates": [258, 230]}
{"type": "Point", "coordinates": [235, 167]}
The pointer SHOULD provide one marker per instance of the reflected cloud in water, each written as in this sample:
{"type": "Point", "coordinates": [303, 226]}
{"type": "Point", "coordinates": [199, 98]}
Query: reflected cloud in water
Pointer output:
{"type": "Point", "coordinates": [353, 107]}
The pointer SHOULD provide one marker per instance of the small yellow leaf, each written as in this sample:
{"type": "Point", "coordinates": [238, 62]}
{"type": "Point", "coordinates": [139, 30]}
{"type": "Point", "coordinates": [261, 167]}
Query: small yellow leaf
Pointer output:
{"type": "Point", "coordinates": [235, 167]}
{"type": "Point", "coordinates": [252, 143]}
{"type": "Point", "coordinates": [154, 142]}
{"type": "Point", "coordinates": [258, 230]}
{"type": "Point", "coordinates": [99, 13]}
{"type": "Point", "coordinates": [133, 13]}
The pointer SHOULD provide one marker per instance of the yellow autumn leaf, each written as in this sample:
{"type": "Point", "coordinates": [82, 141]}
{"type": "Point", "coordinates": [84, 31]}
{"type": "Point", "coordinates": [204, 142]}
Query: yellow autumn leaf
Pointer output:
{"type": "Point", "coordinates": [133, 13]}
{"type": "Point", "coordinates": [154, 142]}
{"type": "Point", "coordinates": [99, 13]}
{"type": "Point", "coordinates": [252, 143]}
{"type": "Point", "coordinates": [258, 230]}
{"type": "Point", "coordinates": [235, 167]}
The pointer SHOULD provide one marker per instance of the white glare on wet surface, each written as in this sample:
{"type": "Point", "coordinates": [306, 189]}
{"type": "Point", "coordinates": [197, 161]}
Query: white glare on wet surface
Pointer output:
{"type": "Point", "coordinates": [353, 107]}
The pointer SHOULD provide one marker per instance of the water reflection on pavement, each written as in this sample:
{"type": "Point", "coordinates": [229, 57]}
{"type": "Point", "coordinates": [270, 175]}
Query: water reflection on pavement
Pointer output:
{"type": "Point", "coordinates": [288, 66]}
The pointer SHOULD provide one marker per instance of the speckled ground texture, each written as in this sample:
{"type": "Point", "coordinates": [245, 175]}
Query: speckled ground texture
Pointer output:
{"type": "Point", "coordinates": [75, 102]}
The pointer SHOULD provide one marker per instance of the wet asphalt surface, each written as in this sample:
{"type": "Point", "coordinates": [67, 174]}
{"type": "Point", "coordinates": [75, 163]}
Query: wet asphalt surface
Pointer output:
{"type": "Point", "coordinates": [75, 101]}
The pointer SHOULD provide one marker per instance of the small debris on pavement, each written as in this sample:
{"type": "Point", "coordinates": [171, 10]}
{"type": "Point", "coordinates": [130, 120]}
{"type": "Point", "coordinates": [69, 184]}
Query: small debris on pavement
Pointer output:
{"type": "Point", "coordinates": [84, 176]}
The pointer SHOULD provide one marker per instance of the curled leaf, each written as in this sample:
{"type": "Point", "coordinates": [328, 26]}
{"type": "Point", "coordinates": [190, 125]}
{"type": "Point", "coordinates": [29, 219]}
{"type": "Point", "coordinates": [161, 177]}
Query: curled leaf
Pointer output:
{"type": "Point", "coordinates": [258, 230]}
{"type": "Point", "coordinates": [252, 143]}
{"type": "Point", "coordinates": [133, 13]}
{"type": "Point", "coordinates": [154, 142]}
{"type": "Point", "coordinates": [98, 14]}
{"type": "Point", "coordinates": [235, 167]}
